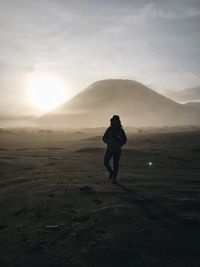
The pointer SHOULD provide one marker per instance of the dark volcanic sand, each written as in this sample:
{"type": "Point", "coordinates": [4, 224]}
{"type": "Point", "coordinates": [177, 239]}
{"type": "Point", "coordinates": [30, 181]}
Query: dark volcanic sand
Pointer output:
{"type": "Point", "coordinates": [57, 207]}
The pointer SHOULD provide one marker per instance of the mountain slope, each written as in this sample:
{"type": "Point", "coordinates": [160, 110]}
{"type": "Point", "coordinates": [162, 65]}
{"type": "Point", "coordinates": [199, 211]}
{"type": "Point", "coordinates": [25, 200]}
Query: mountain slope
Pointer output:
{"type": "Point", "coordinates": [137, 105]}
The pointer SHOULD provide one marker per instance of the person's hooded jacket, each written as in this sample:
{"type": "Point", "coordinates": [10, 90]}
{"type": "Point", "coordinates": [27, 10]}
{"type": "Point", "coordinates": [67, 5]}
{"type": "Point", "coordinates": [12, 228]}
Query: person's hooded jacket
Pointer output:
{"type": "Point", "coordinates": [114, 138]}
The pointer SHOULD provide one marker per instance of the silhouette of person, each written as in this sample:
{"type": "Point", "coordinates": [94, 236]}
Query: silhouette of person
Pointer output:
{"type": "Point", "coordinates": [115, 138]}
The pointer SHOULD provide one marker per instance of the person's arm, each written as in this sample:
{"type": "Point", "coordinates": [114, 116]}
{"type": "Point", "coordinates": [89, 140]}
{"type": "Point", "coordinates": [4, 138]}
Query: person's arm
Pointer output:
{"type": "Point", "coordinates": [124, 138]}
{"type": "Point", "coordinates": [106, 136]}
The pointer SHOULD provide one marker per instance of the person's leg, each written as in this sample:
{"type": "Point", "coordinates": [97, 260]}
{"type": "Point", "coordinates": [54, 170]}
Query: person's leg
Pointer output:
{"type": "Point", "coordinates": [116, 158]}
{"type": "Point", "coordinates": [107, 158]}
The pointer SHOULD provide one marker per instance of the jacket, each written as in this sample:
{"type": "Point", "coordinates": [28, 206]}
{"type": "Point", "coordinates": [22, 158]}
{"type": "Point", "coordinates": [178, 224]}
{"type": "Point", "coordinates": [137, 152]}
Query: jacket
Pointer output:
{"type": "Point", "coordinates": [114, 138]}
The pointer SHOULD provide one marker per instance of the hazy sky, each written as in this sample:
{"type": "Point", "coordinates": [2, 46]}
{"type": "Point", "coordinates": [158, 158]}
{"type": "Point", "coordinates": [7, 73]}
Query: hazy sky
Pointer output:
{"type": "Point", "coordinates": [154, 42]}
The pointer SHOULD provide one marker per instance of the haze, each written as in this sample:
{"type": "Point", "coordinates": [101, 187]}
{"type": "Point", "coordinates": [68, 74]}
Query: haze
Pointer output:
{"type": "Point", "coordinates": [155, 43]}
{"type": "Point", "coordinates": [66, 68]}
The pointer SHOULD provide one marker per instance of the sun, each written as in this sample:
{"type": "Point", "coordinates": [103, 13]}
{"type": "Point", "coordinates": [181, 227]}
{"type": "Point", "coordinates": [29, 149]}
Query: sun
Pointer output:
{"type": "Point", "coordinates": [45, 92]}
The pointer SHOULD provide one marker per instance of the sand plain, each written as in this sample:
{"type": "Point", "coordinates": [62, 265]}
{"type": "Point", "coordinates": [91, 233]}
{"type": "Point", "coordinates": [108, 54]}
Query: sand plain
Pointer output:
{"type": "Point", "coordinates": [57, 207]}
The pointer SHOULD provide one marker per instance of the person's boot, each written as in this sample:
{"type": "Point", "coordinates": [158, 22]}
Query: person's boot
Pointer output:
{"type": "Point", "coordinates": [114, 179]}
{"type": "Point", "coordinates": [110, 175]}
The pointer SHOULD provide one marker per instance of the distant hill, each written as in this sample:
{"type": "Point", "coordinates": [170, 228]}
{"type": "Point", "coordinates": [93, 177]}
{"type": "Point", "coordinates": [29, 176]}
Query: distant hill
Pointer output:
{"type": "Point", "coordinates": [187, 95]}
{"type": "Point", "coordinates": [193, 104]}
{"type": "Point", "coordinates": [137, 105]}
{"type": "Point", "coordinates": [10, 120]}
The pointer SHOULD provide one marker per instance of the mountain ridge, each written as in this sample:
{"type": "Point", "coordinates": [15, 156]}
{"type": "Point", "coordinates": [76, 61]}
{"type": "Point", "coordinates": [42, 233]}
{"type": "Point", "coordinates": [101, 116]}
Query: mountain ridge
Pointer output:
{"type": "Point", "coordinates": [137, 104]}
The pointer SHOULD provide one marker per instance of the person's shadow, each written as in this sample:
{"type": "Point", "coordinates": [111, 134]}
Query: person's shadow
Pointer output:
{"type": "Point", "coordinates": [153, 209]}
{"type": "Point", "coordinates": [130, 194]}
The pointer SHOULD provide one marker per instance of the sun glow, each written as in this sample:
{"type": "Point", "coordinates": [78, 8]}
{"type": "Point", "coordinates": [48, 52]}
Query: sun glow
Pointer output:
{"type": "Point", "coordinates": [46, 92]}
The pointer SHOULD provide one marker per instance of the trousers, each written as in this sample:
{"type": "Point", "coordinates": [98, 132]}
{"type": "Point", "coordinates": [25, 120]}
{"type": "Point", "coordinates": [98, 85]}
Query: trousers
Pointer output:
{"type": "Point", "coordinates": [114, 154]}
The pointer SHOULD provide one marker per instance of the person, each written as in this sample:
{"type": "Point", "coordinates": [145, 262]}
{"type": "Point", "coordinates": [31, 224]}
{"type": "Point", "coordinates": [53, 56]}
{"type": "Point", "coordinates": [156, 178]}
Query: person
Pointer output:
{"type": "Point", "coordinates": [115, 138]}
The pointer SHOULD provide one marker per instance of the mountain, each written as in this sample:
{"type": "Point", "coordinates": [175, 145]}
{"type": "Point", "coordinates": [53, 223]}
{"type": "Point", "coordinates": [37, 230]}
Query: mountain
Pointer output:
{"type": "Point", "coordinates": [136, 104]}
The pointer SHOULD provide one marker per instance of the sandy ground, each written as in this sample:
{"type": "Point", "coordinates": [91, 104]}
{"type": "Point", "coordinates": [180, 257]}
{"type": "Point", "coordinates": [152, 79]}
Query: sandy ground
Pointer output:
{"type": "Point", "coordinates": [57, 207]}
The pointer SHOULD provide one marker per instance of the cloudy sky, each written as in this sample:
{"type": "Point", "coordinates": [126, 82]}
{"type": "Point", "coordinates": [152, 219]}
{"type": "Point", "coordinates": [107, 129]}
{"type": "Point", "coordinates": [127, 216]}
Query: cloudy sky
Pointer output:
{"type": "Point", "coordinates": [81, 41]}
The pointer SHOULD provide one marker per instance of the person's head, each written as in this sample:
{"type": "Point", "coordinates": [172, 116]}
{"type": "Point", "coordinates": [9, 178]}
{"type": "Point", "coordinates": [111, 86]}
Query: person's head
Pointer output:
{"type": "Point", "coordinates": [115, 122]}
